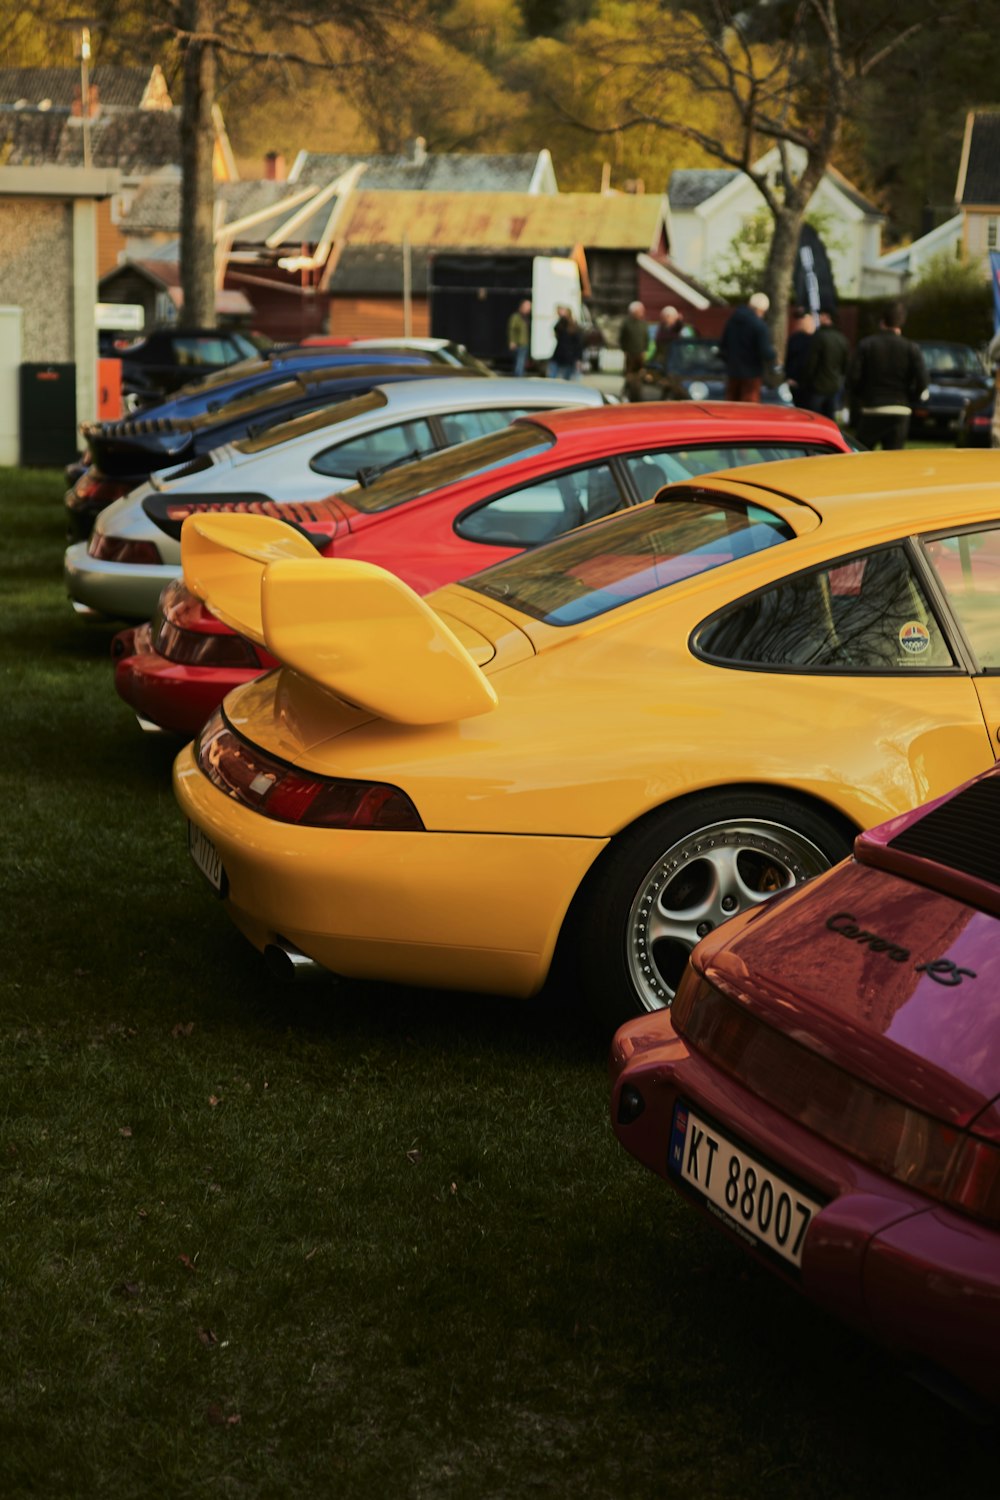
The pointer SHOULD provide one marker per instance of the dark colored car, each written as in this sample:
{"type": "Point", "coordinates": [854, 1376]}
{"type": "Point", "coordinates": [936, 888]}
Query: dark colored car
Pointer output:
{"type": "Point", "coordinates": [827, 1088]}
{"type": "Point", "coordinates": [166, 358]}
{"type": "Point", "coordinates": [124, 453]}
{"type": "Point", "coordinates": [695, 371]}
{"type": "Point", "coordinates": [955, 376]}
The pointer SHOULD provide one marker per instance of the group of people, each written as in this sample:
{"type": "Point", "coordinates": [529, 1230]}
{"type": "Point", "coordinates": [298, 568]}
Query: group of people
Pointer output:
{"type": "Point", "coordinates": [567, 355]}
{"type": "Point", "coordinates": [883, 380]}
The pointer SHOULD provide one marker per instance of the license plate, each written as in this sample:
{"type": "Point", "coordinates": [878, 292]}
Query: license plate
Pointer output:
{"type": "Point", "coordinates": [762, 1206]}
{"type": "Point", "coordinates": [207, 858]}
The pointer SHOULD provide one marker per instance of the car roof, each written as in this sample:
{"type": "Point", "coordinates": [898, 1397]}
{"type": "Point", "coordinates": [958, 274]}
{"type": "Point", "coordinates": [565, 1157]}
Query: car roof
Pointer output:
{"type": "Point", "coordinates": [852, 492]}
{"type": "Point", "coordinates": [678, 421]}
{"type": "Point", "coordinates": [474, 390]}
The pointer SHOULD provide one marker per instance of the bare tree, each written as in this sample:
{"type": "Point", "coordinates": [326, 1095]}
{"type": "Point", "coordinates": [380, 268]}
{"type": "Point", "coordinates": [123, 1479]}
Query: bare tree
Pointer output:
{"type": "Point", "coordinates": [786, 73]}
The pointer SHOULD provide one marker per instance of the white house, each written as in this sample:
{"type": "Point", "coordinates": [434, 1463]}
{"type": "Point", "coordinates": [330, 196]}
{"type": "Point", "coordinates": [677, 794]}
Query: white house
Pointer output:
{"type": "Point", "coordinates": [707, 209]}
{"type": "Point", "coordinates": [909, 262]}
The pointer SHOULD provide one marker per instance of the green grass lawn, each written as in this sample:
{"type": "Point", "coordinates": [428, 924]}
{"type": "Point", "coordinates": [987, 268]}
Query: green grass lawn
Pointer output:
{"type": "Point", "coordinates": [345, 1241]}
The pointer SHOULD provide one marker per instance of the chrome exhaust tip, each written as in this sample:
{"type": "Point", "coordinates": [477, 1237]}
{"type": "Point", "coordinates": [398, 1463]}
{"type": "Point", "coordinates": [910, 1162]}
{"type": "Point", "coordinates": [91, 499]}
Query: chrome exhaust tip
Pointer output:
{"type": "Point", "coordinates": [84, 610]}
{"type": "Point", "coordinates": [290, 965]}
{"type": "Point", "coordinates": [148, 727]}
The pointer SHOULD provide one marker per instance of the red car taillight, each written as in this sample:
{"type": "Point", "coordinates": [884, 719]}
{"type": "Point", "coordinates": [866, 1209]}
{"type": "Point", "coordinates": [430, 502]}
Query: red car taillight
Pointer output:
{"type": "Point", "coordinates": [119, 549]}
{"type": "Point", "coordinates": [892, 1138]}
{"type": "Point", "coordinates": [280, 791]}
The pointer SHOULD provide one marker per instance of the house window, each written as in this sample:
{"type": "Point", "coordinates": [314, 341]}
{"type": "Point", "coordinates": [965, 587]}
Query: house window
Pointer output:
{"type": "Point", "coordinates": [992, 233]}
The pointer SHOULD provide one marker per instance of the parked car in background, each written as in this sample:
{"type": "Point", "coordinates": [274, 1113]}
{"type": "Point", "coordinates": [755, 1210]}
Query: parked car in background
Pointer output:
{"type": "Point", "coordinates": [956, 376]}
{"type": "Point", "coordinates": [122, 454]}
{"type": "Point", "coordinates": [614, 741]}
{"type": "Point", "coordinates": [176, 670]}
{"type": "Point", "coordinates": [520, 486]}
{"type": "Point", "coordinates": [695, 371]}
{"type": "Point", "coordinates": [166, 358]}
{"type": "Point", "coordinates": [827, 1087]}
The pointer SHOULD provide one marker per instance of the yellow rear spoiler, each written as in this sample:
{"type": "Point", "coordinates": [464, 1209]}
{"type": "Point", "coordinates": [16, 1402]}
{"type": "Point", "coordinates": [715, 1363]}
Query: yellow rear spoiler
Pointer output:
{"type": "Point", "coordinates": [351, 627]}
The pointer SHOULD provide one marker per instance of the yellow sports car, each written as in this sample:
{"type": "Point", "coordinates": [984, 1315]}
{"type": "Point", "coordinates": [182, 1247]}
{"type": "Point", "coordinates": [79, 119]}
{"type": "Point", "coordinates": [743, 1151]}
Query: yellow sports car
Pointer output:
{"type": "Point", "coordinates": [614, 741]}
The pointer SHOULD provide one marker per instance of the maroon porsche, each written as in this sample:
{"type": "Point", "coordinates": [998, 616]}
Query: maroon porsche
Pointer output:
{"type": "Point", "coordinates": [827, 1087]}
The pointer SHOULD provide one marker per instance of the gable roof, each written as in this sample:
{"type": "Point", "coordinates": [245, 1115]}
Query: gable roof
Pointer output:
{"type": "Point", "coordinates": [134, 140]}
{"type": "Point", "coordinates": [979, 172]}
{"type": "Point", "coordinates": [444, 172]}
{"type": "Point", "coordinates": [690, 186]}
{"type": "Point", "coordinates": [117, 88]}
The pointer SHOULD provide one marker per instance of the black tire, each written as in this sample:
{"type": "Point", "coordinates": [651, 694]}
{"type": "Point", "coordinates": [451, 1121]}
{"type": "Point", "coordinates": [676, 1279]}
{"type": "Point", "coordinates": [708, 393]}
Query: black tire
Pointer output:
{"type": "Point", "coordinates": [711, 856]}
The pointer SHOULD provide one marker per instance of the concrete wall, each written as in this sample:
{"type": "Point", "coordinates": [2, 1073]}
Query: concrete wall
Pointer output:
{"type": "Point", "coordinates": [36, 274]}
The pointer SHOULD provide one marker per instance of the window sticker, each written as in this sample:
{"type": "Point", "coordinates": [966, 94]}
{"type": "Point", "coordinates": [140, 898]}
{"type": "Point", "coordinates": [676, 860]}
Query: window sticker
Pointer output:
{"type": "Point", "coordinates": [914, 637]}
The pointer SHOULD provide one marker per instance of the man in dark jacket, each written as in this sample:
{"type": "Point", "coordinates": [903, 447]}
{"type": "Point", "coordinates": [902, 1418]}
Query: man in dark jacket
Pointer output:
{"type": "Point", "coordinates": [746, 349]}
{"type": "Point", "coordinates": [633, 341]}
{"type": "Point", "coordinates": [887, 378]}
{"type": "Point", "coordinates": [826, 365]}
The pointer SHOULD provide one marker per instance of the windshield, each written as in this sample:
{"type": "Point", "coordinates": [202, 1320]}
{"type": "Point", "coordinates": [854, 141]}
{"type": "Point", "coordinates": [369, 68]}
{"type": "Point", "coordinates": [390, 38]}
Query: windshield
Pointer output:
{"type": "Point", "coordinates": [312, 421]}
{"type": "Point", "coordinates": [695, 356]}
{"type": "Point", "coordinates": [629, 556]}
{"type": "Point", "coordinates": [449, 466]}
{"type": "Point", "coordinates": [951, 359]}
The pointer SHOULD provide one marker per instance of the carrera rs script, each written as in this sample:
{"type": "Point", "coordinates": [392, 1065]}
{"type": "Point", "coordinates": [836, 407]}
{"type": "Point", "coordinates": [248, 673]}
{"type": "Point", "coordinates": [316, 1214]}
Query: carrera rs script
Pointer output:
{"type": "Point", "coordinates": [846, 925]}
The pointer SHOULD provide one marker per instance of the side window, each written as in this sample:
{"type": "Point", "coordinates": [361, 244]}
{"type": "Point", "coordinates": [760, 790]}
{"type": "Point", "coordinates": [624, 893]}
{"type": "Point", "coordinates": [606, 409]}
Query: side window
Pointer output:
{"type": "Point", "coordinates": [374, 450]}
{"type": "Point", "coordinates": [651, 471]}
{"type": "Point", "coordinates": [866, 614]}
{"type": "Point", "coordinates": [543, 510]}
{"type": "Point", "coordinates": [968, 566]}
{"type": "Point", "coordinates": [461, 426]}
{"type": "Point", "coordinates": [201, 351]}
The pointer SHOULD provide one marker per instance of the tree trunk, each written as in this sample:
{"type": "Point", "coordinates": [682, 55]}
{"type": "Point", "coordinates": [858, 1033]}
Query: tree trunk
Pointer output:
{"type": "Point", "coordinates": [780, 271]}
{"type": "Point", "coordinates": [197, 180]}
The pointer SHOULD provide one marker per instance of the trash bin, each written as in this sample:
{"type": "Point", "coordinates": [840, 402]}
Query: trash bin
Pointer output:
{"type": "Point", "coordinates": [48, 414]}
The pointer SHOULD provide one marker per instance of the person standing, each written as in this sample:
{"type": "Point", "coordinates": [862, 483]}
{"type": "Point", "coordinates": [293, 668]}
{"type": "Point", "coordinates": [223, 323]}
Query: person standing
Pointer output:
{"type": "Point", "coordinates": [887, 377]}
{"type": "Point", "coordinates": [826, 365]}
{"type": "Point", "coordinates": [519, 335]}
{"type": "Point", "coordinates": [633, 340]}
{"type": "Point", "coordinates": [797, 356]}
{"type": "Point", "coordinates": [568, 353]}
{"type": "Point", "coordinates": [746, 349]}
{"type": "Point", "coordinates": [668, 331]}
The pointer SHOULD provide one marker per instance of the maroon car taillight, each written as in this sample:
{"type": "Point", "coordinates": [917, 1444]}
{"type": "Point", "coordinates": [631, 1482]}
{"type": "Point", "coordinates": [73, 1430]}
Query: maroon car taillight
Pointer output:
{"type": "Point", "coordinates": [120, 550]}
{"type": "Point", "coordinates": [892, 1138]}
{"type": "Point", "coordinates": [278, 790]}
{"type": "Point", "coordinates": [188, 648]}
{"type": "Point", "coordinates": [185, 631]}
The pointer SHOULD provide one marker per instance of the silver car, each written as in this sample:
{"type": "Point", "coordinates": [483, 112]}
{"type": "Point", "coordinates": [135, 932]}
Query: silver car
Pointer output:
{"type": "Point", "coordinates": [122, 568]}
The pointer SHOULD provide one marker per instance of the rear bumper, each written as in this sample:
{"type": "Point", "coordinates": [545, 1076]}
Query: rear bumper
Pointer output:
{"type": "Point", "coordinates": [451, 910]}
{"type": "Point", "coordinates": [120, 590]}
{"type": "Point", "coordinates": [922, 1280]}
{"type": "Point", "coordinates": [177, 698]}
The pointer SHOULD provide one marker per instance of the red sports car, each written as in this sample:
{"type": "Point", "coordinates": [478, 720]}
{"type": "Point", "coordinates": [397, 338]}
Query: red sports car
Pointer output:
{"type": "Point", "coordinates": [454, 513]}
{"type": "Point", "coordinates": [827, 1087]}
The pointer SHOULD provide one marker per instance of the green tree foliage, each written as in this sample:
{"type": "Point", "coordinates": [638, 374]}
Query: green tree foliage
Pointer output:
{"type": "Point", "coordinates": [952, 299]}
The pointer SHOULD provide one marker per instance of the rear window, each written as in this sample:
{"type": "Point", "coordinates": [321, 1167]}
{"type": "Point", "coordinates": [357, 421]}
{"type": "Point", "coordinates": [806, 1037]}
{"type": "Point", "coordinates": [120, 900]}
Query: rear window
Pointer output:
{"type": "Point", "coordinates": [451, 465]}
{"type": "Point", "coordinates": [629, 556]}
{"type": "Point", "coordinates": [312, 421]}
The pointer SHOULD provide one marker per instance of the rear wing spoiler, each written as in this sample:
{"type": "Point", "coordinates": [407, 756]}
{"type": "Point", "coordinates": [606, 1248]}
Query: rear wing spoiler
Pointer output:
{"type": "Point", "coordinates": [350, 627]}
